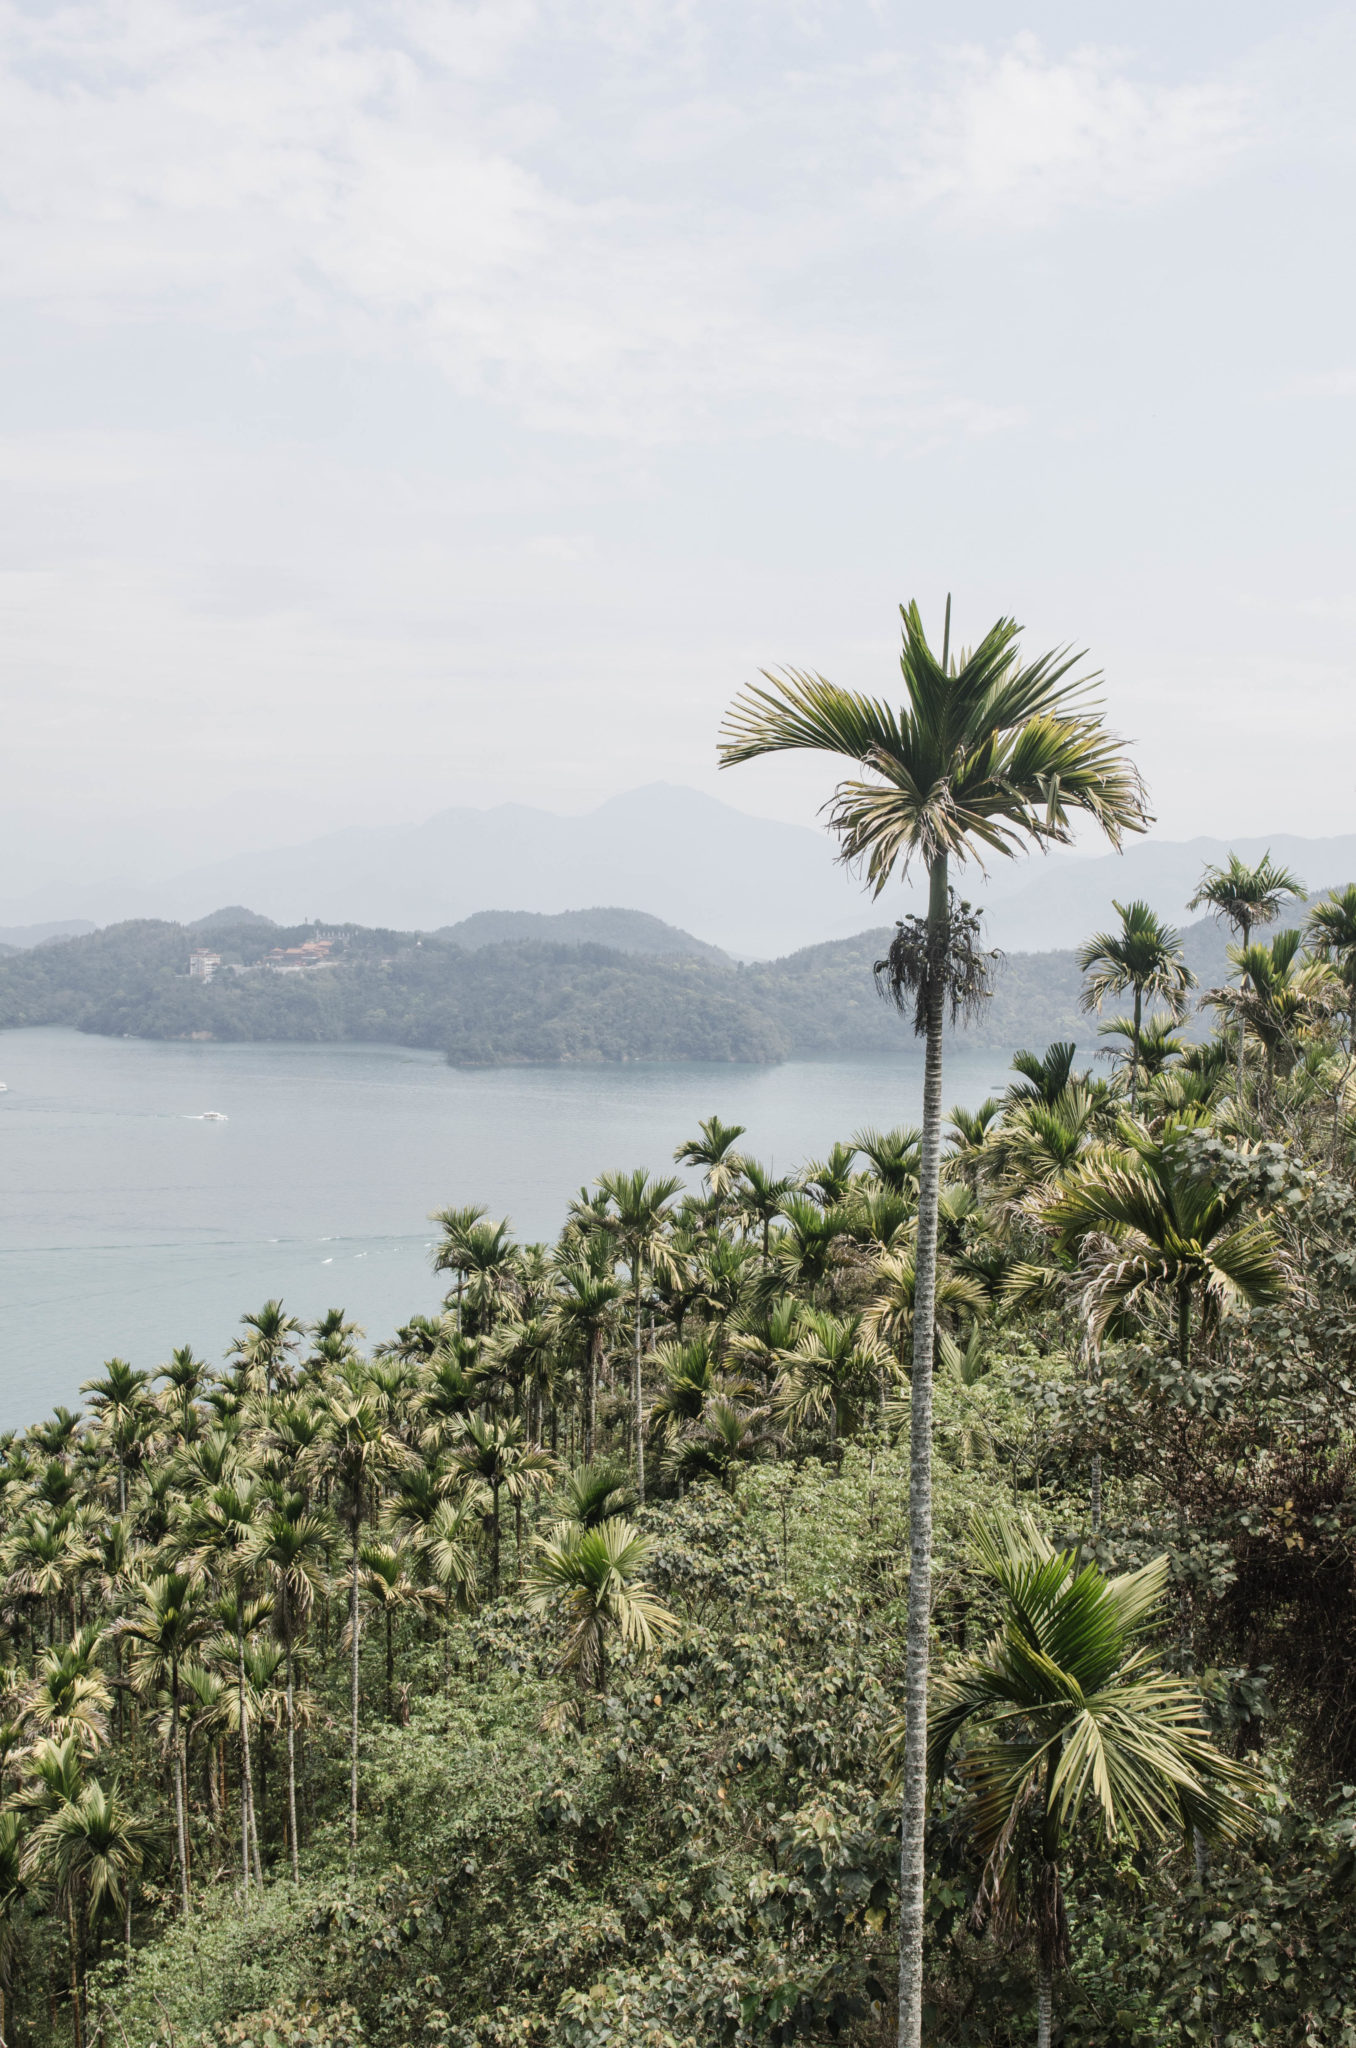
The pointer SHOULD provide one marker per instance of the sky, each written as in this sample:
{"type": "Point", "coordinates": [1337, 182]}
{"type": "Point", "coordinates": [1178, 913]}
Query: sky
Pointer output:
{"type": "Point", "coordinates": [430, 404]}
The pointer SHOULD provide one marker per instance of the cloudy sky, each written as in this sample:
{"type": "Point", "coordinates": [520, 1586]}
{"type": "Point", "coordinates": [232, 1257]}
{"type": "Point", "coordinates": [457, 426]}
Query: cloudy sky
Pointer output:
{"type": "Point", "coordinates": [431, 403]}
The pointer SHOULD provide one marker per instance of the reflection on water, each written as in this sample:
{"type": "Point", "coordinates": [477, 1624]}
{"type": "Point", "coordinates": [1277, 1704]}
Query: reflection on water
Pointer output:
{"type": "Point", "coordinates": [131, 1220]}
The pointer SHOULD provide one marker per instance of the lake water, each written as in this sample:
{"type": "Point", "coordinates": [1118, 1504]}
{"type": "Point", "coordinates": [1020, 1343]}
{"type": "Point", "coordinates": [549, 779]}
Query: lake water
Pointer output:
{"type": "Point", "coordinates": [129, 1224]}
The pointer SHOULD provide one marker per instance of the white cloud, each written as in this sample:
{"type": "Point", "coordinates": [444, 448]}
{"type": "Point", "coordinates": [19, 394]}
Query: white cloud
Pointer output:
{"type": "Point", "coordinates": [1017, 134]}
{"type": "Point", "coordinates": [393, 184]}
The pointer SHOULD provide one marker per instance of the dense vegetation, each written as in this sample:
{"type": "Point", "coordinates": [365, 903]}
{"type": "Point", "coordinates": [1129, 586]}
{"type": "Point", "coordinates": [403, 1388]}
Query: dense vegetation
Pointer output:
{"type": "Point", "coordinates": [534, 1675]}
{"type": "Point", "coordinates": [489, 1002]}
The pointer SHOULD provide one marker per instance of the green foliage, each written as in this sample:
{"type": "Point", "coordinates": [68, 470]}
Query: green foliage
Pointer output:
{"type": "Point", "coordinates": [350, 1694]}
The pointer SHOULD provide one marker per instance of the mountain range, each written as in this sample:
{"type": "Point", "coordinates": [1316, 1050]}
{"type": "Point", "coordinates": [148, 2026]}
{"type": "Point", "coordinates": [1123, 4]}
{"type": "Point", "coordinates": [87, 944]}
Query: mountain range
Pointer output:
{"type": "Point", "coordinates": [755, 887]}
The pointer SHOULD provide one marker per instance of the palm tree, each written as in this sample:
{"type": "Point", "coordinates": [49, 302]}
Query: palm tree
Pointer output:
{"type": "Point", "coordinates": [358, 1446]}
{"type": "Point", "coordinates": [484, 1258]}
{"type": "Point", "coordinates": [724, 1437]}
{"type": "Point", "coordinates": [806, 1252]}
{"type": "Point", "coordinates": [393, 1589]}
{"type": "Point", "coordinates": [591, 1578]}
{"type": "Point", "coordinates": [291, 1548]}
{"type": "Point", "coordinates": [67, 1694]}
{"type": "Point", "coordinates": [760, 1198]}
{"type": "Point", "coordinates": [90, 1849]}
{"type": "Point", "coordinates": [833, 1372]}
{"type": "Point", "coordinates": [986, 755]}
{"type": "Point", "coordinates": [216, 1539]}
{"type": "Point", "coordinates": [714, 1152]}
{"type": "Point", "coordinates": [13, 1892]}
{"type": "Point", "coordinates": [595, 1493]}
{"type": "Point", "coordinates": [967, 1136]}
{"type": "Point", "coordinates": [1160, 1226]}
{"type": "Point", "coordinates": [637, 1220]}
{"type": "Point", "coordinates": [498, 1454]}
{"type": "Point", "coordinates": [582, 1314]}
{"type": "Point", "coordinates": [894, 1156]}
{"type": "Point", "coordinates": [1245, 897]}
{"type": "Point", "coordinates": [1150, 1052]}
{"type": "Point", "coordinates": [1066, 1716]}
{"type": "Point", "coordinates": [1143, 958]}
{"type": "Point", "coordinates": [166, 1623]}
{"type": "Point", "coordinates": [445, 1544]}
{"type": "Point", "coordinates": [1331, 937]}
{"type": "Point", "coordinates": [264, 1350]}
{"type": "Point", "coordinates": [454, 1254]}
{"type": "Point", "coordinates": [120, 1401]}
{"type": "Point", "coordinates": [1280, 996]}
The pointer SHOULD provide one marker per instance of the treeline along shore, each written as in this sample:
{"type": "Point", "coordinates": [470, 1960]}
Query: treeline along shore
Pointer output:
{"type": "Point", "coordinates": [651, 994]}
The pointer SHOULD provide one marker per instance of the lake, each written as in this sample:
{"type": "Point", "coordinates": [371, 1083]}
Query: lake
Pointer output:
{"type": "Point", "coordinates": [129, 1223]}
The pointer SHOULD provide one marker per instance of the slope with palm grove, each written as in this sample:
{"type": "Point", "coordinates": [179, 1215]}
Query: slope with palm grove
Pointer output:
{"type": "Point", "coordinates": [539, 1671]}
{"type": "Point", "coordinates": [909, 1598]}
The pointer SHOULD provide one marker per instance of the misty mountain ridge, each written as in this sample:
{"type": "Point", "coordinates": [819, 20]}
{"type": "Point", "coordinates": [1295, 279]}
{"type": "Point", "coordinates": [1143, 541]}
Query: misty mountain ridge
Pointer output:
{"type": "Point", "coordinates": [753, 887]}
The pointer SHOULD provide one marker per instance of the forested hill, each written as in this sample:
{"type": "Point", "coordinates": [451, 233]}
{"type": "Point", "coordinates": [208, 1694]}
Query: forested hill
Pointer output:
{"type": "Point", "coordinates": [517, 1000]}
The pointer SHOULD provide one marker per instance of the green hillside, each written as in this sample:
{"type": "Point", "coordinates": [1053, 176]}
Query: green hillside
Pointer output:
{"type": "Point", "coordinates": [522, 1000]}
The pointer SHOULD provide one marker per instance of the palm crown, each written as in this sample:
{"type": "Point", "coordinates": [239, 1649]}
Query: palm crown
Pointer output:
{"type": "Point", "coordinates": [986, 754]}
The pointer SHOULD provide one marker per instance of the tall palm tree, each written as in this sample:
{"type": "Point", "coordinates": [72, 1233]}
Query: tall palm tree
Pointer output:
{"type": "Point", "coordinates": [120, 1400]}
{"type": "Point", "coordinates": [216, 1540]}
{"type": "Point", "coordinates": [1143, 958]}
{"type": "Point", "coordinates": [1160, 1227]}
{"type": "Point", "coordinates": [291, 1549]}
{"type": "Point", "coordinates": [582, 1313]}
{"type": "Point", "coordinates": [357, 1448]}
{"type": "Point", "coordinates": [1066, 1716]}
{"type": "Point", "coordinates": [168, 1621]}
{"type": "Point", "coordinates": [638, 1219]}
{"type": "Point", "coordinates": [987, 754]}
{"type": "Point", "coordinates": [1245, 897]}
{"type": "Point", "coordinates": [592, 1579]}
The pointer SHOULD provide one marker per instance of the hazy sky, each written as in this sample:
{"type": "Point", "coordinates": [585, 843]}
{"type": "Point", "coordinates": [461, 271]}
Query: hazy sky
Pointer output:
{"type": "Point", "coordinates": [433, 403]}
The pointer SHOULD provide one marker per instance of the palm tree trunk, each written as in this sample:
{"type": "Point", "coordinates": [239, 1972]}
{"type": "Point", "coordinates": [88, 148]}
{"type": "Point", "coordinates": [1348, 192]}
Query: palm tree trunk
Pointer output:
{"type": "Point", "coordinates": [1045, 2005]}
{"type": "Point", "coordinates": [494, 1564]}
{"type": "Point", "coordinates": [292, 1761]}
{"type": "Point", "coordinates": [1242, 1026]}
{"type": "Point", "coordinates": [1095, 1488]}
{"type": "Point", "coordinates": [640, 1432]}
{"type": "Point", "coordinates": [181, 1831]}
{"type": "Point", "coordinates": [1134, 1050]}
{"type": "Point", "coordinates": [591, 1397]}
{"type": "Point", "coordinates": [77, 2031]}
{"type": "Point", "coordinates": [914, 1801]}
{"type": "Point", "coordinates": [355, 1623]}
{"type": "Point", "coordinates": [1184, 1322]}
{"type": "Point", "coordinates": [246, 1776]}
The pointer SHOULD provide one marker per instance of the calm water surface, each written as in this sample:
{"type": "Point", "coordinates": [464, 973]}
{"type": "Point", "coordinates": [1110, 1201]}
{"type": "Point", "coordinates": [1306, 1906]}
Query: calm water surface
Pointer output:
{"type": "Point", "coordinates": [128, 1224]}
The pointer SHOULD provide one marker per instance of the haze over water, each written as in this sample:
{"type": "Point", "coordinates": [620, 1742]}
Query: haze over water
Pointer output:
{"type": "Point", "coordinates": [128, 1224]}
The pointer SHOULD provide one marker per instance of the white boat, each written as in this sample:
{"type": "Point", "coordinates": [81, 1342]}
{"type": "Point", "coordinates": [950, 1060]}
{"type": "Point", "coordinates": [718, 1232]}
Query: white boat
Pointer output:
{"type": "Point", "coordinates": [214, 1116]}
